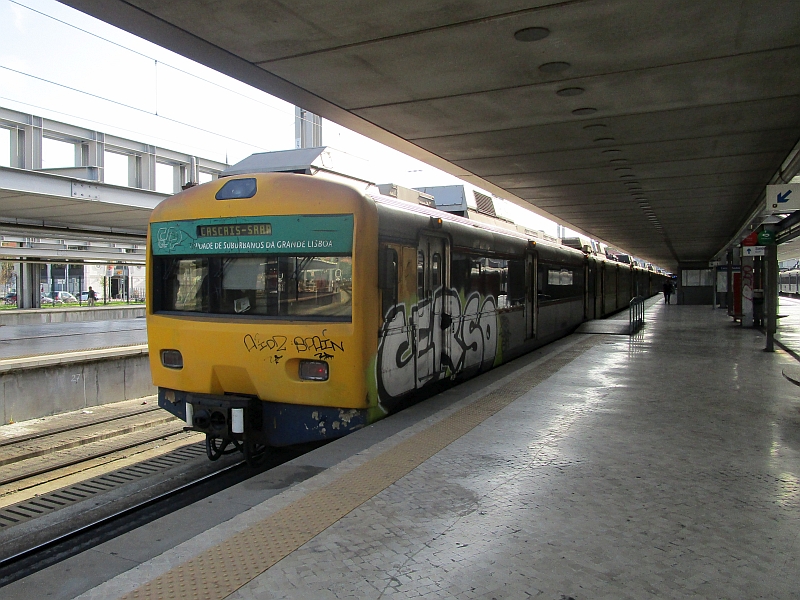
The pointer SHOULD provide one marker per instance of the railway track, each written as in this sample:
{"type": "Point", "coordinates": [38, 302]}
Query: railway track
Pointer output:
{"type": "Point", "coordinates": [74, 486]}
{"type": "Point", "coordinates": [38, 458]}
{"type": "Point", "coordinates": [61, 545]}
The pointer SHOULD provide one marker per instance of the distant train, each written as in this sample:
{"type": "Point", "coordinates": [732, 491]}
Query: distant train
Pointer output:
{"type": "Point", "coordinates": [789, 282]}
{"type": "Point", "coordinates": [286, 308]}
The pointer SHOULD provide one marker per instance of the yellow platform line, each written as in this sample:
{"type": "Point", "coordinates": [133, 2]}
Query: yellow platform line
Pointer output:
{"type": "Point", "coordinates": [222, 569]}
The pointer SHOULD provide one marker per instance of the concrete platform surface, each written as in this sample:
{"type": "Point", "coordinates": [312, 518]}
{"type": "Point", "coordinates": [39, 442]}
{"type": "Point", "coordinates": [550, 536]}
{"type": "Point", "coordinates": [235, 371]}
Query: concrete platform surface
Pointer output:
{"type": "Point", "coordinates": [788, 333]}
{"type": "Point", "coordinates": [62, 314]}
{"type": "Point", "coordinates": [56, 338]}
{"type": "Point", "coordinates": [659, 466]}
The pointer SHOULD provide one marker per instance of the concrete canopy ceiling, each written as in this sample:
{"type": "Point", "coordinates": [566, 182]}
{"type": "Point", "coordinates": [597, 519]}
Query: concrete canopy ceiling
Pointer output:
{"type": "Point", "coordinates": [651, 125]}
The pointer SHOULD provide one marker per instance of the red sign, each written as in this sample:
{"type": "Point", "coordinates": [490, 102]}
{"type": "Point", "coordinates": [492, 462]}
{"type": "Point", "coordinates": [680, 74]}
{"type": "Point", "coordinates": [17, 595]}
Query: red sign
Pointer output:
{"type": "Point", "coordinates": [751, 240]}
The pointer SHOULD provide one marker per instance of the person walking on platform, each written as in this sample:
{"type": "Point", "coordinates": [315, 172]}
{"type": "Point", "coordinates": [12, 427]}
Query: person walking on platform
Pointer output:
{"type": "Point", "coordinates": [91, 296]}
{"type": "Point", "coordinates": [667, 291]}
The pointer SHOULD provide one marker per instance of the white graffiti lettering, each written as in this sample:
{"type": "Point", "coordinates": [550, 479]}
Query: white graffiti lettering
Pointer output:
{"type": "Point", "coordinates": [442, 337]}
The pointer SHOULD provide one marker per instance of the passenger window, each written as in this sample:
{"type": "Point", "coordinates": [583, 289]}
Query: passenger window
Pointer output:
{"type": "Point", "coordinates": [516, 282]}
{"type": "Point", "coordinates": [475, 276]}
{"type": "Point", "coordinates": [420, 275]}
{"type": "Point", "coordinates": [436, 271]}
{"type": "Point", "coordinates": [390, 288]}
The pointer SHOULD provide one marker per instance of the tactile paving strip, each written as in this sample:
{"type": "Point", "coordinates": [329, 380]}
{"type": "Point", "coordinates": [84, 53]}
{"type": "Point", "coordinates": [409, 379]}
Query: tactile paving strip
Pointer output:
{"type": "Point", "coordinates": [222, 569]}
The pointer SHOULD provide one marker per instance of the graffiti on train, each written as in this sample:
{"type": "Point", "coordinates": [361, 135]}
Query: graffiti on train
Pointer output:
{"type": "Point", "coordinates": [439, 336]}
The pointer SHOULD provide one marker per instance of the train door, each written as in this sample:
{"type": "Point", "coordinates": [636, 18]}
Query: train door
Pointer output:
{"type": "Point", "coordinates": [531, 302]}
{"type": "Point", "coordinates": [602, 289]}
{"type": "Point", "coordinates": [432, 278]}
{"type": "Point", "coordinates": [589, 299]}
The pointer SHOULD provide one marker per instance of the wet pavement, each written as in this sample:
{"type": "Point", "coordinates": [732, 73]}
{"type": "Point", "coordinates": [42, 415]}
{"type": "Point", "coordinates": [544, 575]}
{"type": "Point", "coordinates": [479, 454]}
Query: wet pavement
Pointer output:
{"type": "Point", "coordinates": [665, 465]}
{"type": "Point", "coordinates": [788, 333]}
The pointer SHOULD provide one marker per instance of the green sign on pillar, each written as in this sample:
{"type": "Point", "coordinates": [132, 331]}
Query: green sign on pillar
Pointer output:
{"type": "Point", "coordinates": [766, 238]}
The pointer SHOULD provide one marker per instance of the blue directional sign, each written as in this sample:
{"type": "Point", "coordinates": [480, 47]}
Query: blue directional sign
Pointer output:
{"type": "Point", "coordinates": [783, 198]}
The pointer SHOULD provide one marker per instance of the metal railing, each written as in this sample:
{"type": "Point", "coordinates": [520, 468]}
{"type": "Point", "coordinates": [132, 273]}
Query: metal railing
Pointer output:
{"type": "Point", "coordinates": [635, 315]}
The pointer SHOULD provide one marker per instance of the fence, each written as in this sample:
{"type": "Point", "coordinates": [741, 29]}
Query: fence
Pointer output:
{"type": "Point", "coordinates": [636, 315]}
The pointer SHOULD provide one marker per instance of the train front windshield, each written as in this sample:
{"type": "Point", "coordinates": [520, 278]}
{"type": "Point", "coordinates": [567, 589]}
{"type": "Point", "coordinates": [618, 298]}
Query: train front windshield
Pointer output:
{"type": "Point", "coordinates": [267, 266]}
{"type": "Point", "coordinates": [275, 286]}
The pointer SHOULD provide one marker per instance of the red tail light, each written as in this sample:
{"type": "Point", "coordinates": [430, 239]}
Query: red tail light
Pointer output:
{"type": "Point", "coordinates": [313, 370]}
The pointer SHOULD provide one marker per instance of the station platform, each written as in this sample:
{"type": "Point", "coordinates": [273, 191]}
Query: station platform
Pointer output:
{"type": "Point", "coordinates": [63, 337]}
{"type": "Point", "coordinates": [788, 334]}
{"type": "Point", "coordinates": [71, 361]}
{"type": "Point", "coordinates": [663, 465]}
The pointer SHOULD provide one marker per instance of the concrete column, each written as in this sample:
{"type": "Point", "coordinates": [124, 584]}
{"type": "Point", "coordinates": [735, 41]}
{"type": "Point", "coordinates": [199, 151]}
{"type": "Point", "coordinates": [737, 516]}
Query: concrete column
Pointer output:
{"type": "Point", "coordinates": [729, 292]}
{"type": "Point", "coordinates": [29, 144]}
{"type": "Point", "coordinates": [307, 129]}
{"type": "Point", "coordinates": [28, 284]}
{"type": "Point", "coordinates": [193, 175]}
{"type": "Point", "coordinates": [147, 170]}
{"type": "Point", "coordinates": [748, 284]}
{"type": "Point", "coordinates": [771, 289]}
{"type": "Point", "coordinates": [93, 154]}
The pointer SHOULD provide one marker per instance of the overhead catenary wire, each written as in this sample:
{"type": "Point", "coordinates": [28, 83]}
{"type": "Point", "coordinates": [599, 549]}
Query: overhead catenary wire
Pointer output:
{"type": "Point", "coordinates": [156, 64]}
{"type": "Point", "coordinates": [155, 60]}
{"type": "Point", "coordinates": [131, 107]}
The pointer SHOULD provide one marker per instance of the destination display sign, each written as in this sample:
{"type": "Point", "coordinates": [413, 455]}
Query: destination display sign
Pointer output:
{"type": "Point", "coordinates": [234, 230]}
{"type": "Point", "coordinates": [285, 234]}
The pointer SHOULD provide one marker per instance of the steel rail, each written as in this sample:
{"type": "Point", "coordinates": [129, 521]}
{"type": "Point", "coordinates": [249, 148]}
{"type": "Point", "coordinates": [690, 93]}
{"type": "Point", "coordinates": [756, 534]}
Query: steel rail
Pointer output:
{"type": "Point", "coordinates": [66, 428]}
{"type": "Point", "coordinates": [24, 563]}
{"type": "Point", "coordinates": [77, 461]}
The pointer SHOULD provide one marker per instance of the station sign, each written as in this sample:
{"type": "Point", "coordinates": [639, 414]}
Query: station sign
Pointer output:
{"type": "Point", "coordinates": [751, 240]}
{"type": "Point", "coordinates": [783, 198]}
{"type": "Point", "coordinates": [754, 250]}
{"type": "Point", "coordinates": [766, 238]}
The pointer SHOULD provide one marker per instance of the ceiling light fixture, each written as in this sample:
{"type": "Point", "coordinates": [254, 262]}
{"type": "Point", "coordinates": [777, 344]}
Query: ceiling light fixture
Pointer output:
{"type": "Point", "coordinates": [552, 68]}
{"type": "Point", "coordinates": [618, 160]}
{"type": "Point", "coordinates": [531, 34]}
{"type": "Point", "coordinates": [595, 126]}
{"type": "Point", "coordinates": [568, 92]}
{"type": "Point", "coordinates": [584, 111]}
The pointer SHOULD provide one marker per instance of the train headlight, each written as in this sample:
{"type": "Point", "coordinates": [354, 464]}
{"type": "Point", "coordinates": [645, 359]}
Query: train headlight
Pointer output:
{"type": "Point", "coordinates": [313, 370]}
{"type": "Point", "coordinates": [172, 359]}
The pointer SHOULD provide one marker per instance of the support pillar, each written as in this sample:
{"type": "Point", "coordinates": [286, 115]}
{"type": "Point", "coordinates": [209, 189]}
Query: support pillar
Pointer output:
{"type": "Point", "coordinates": [771, 289]}
{"type": "Point", "coordinates": [729, 288]}
{"type": "Point", "coordinates": [28, 284]}
{"type": "Point", "coordinates": [307, 129]}
{"type": "Point", "coordinates": [748, 285]}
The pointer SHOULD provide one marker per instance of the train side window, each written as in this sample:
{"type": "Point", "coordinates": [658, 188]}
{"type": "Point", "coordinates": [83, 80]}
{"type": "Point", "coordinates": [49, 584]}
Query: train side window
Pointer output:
{"type": "Point", "coordinates": [436, 270]}
{"type": "Point", "coordinates": [495, 280]}
{"type": "Point", "coordinates": [459, 272]}
{"type": "Point", "coordinates": [420, 276]}
{"type": "Point", "coordinates": [541, 280]}
{"type": "Point", "coordinates": [476, 276]}
{"type": "Point", "coordinates": [388, 278]}
{"type": "Point", "coordinates": [516, 282]}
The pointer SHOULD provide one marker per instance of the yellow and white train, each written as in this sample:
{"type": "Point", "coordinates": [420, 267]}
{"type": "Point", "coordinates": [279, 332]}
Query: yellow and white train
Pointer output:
{"type": "Point", "coordinates": [286, 308]}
